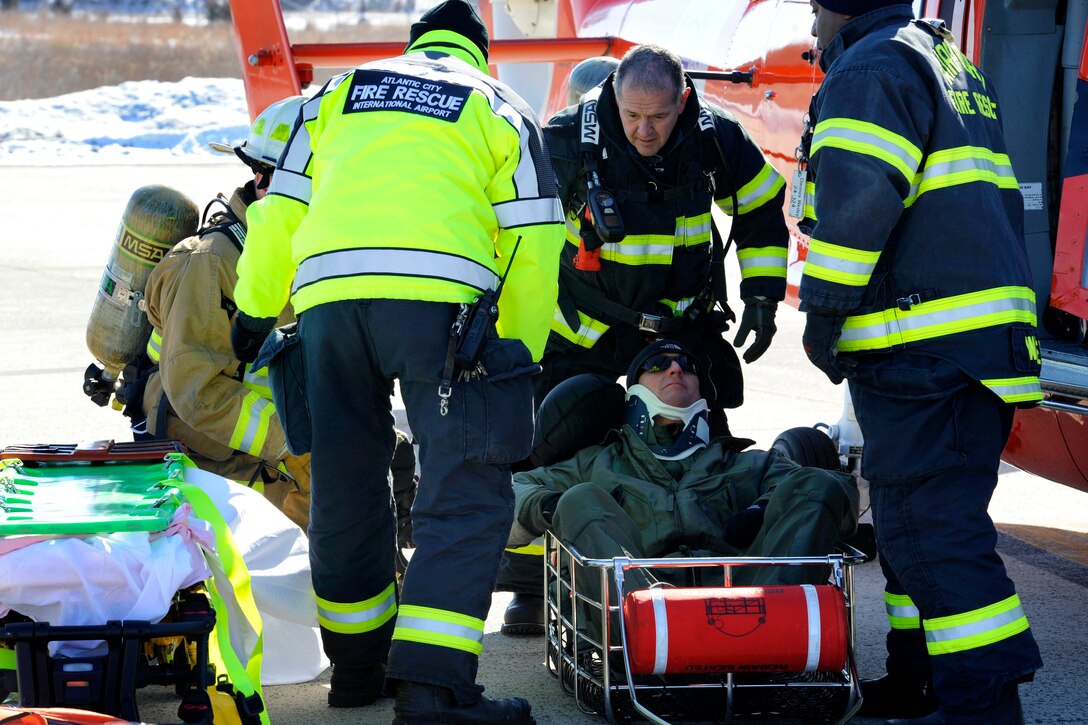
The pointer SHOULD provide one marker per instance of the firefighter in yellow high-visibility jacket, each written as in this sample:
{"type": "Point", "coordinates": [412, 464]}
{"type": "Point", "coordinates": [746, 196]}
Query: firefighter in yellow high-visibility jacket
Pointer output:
{"type": "Point", "coordinates": [408, 189]}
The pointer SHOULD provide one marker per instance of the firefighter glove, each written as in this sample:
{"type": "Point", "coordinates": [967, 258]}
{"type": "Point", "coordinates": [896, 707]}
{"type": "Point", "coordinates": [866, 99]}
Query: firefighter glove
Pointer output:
{"type": "Point", "coordinates": [742, 527]}
{"type": "Point", "coordinates": [758, 317]}
{"type": "Point", "coordinates": [248, 333]}
{"type": "Point", "coordinates": [822, 331]}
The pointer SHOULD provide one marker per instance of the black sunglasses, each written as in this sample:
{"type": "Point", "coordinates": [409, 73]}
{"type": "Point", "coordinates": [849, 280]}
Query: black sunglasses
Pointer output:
{"type": "Point", "coordinates": [662, 361]}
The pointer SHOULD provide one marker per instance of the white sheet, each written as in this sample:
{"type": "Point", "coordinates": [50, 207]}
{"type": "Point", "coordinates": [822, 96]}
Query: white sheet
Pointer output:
{"type": "Point", "coordinates": [134, 575]}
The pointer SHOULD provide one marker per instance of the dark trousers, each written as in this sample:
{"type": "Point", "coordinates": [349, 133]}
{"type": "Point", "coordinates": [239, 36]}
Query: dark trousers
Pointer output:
{"type": "Point", "coordinates": [352, 352]}
{"type": "Point", "coordinates": [932, 450]}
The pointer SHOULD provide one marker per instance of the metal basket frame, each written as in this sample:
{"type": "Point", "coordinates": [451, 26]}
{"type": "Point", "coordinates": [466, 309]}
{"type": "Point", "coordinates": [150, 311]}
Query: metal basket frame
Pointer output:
{"type": "Point", "coordinates": [590, 670]}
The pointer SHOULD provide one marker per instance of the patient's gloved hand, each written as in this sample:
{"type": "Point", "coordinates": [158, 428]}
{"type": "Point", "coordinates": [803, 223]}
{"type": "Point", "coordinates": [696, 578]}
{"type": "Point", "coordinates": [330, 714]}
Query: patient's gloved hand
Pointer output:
{"type": "Point", "coordinates": [742, 527]}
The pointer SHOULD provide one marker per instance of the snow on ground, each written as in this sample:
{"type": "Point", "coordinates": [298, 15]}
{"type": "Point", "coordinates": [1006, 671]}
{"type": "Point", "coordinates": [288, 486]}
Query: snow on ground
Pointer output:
{"type": "Point", "coordinates": [132, 123]}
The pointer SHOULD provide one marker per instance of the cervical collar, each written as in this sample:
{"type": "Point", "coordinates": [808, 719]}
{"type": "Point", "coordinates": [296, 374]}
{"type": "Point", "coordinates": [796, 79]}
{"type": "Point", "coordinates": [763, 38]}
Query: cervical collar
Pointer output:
{"type": "Point", "coordinates": [643, 406]}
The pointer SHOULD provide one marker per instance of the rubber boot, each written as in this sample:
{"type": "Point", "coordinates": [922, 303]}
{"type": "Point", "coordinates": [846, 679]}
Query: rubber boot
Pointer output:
{"type": "Point", "coordinates": [524, 615]}
{"type": "Point", "coordinates": [899, 696]}
{"type": "Point", "coordinates": [356, 685]}
{"type": "Point", "coordinates": [419, 704]}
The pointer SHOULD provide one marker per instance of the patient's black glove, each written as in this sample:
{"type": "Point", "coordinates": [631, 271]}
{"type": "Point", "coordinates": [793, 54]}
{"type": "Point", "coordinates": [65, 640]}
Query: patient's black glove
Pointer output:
{"type": "Point", "coordinates": [742, 527]}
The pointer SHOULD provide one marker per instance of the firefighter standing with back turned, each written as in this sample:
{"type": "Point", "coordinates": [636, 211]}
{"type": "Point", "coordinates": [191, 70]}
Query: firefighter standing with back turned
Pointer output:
{"type": "Point", "coordinates": [410, 186]}
{"type": "Point", "coordinates": [917, 289]}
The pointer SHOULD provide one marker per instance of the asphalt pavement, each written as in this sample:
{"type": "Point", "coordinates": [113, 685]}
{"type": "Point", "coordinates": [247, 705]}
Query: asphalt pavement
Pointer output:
{"type": "Point", "coordinates": [58, 226]}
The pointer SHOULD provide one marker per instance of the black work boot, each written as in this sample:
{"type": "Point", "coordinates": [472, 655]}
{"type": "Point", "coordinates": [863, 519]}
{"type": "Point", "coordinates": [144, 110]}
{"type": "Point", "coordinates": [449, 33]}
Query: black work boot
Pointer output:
{"type": "Point", "coordinates": [900, 696]}
{"type": "Point", "coordinates": [524, 615]}
{"type": "Point", "coordinates": [419, 704]}
{"type": "Point", "coordinates": [356, 685]}
{"type": "Point", "coordinates": [1007, 711]}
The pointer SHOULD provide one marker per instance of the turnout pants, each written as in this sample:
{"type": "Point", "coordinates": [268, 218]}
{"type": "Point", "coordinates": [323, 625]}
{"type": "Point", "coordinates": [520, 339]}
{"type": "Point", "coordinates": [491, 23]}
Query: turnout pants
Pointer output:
{"type": "Point", "coordinates": [352, 352]}
{"type": "Point", "coordinates": [933, 443]}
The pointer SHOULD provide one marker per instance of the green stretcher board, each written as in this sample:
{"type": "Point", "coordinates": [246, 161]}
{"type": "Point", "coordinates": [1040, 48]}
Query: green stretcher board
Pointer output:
{"type": "Point", "coordinates": [84, 499]}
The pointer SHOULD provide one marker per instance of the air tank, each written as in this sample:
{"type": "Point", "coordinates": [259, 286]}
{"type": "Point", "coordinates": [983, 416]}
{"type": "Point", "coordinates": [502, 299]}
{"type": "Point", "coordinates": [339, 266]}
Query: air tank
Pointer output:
{"type": "Point", "coordinates": [155, 219]}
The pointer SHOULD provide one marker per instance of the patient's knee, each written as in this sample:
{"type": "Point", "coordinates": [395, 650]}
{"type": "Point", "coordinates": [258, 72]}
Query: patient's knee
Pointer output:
{"type": "Point", "coordinates": [582, 505]}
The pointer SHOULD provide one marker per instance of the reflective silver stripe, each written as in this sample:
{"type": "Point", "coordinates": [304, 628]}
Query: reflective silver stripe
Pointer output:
{"type": "Point", "coordinates": [256, 426]}
{"type": "Point", "coordinates": [974, 629]}
{"type": "Point", "coordinates": [398, 262]}
{"type": "Point", "coordinates": [583, 334]}
{"type": "Point", "coordinates": [1015, 390]}
{"type": "Point", "coordinates": [439, 627]}
{"type": "Point", "coordinates": [291, 184]}
{"type": "Point", "coordinates": [901, 611]}
{"type": "Point", "coordinates": [815, 627]}
{"type": "Point", "coordinates": [863, 270]}
{"type": "Point", "coordinates": [901, 327]}
{"type": "Point", "coordinates": [694, 229]}
{"type": "Point", "coordinates": [768, 184]}
{"type": "Point", "coordinates": [154, 346]}
{"type": "Point", "coordinates": [525, 212]}
{"type": "Point", "coordinates": [257, 380]}
{"type": "Point", "coordinates": [623, 249]}
{"type": "Point", "coordinates": [661, 631]}
{"type": "Point", "coordinates": [934, 171]}
{"type": "Point", "coordinates": [290, 179]}
{"type": "Point", "coordinates": [339, 616]}
{"type": "Point", "coordinates": [765, 261]}
{"type": "Point", "coordinates": [837, 129]}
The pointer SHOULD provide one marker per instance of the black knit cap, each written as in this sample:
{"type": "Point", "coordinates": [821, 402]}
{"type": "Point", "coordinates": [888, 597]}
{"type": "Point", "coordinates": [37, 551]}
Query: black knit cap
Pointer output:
{"type": "Point", "coordinates": [456, 16]}
{"type": "Point", "coordinates": [858, 7]}
{"type": "Point", "coordinates": [672, 348]}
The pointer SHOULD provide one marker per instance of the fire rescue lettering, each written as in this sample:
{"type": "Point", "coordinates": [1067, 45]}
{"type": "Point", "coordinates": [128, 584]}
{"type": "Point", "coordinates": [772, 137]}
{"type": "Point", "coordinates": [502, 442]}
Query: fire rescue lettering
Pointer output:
{"type": "Point", "coordinates": [380, 91]}
{"type": "Point", "coordinates": [953, 63]}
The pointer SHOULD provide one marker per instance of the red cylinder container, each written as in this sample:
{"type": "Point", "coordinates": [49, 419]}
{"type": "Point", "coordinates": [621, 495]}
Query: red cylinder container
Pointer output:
{"type": "Point", "coordinates": [795, 628]}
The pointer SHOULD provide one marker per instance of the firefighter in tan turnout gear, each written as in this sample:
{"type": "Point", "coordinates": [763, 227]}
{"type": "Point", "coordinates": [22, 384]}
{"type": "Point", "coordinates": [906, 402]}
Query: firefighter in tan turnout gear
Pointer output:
{"type": "Point", "coordinates": [200, 393]}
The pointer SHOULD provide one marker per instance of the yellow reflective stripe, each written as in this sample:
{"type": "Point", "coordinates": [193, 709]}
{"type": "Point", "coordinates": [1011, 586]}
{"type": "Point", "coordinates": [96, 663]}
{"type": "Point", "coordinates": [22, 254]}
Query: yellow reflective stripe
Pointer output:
{"type": "Point", "coordinates": [678, 307]}
{"type": "Point", "coordinates": [7, 659]}
{"type": "Point", "coordinates": [395, 263]}
{"type": "Point", "coordinates": [902, 614]}
{"type": "Point", "coordinates": [839, 264]}
{"type": "Point", "coordinates": [948, 316]}
{"type": "Point", "coordinates": [762, 262]}
{"type": "Point", "coordinates": [693, 231]}
{"type": "Point", "coordinates": [251, 430]}
{"type": "Point", "coordinates": [1015, 390]}
{"type": "Point", "coordinates": [257, 380]}
{"type": "Point", "coordinates": [759, 190]}
{"type": "Point", "coordinates": [587, 334]}
{"type": "Point", "coordinates": [868, 138]}
{"type": "Point", "coordinates": [756, 192]}
{"type": "Point", "coordinates": [963, 165]}
{"type": "Point", "coordinates": [977, 628]}
{"type": "Point", "coordinates": [639, 249]}
{"type": "Point", "coordinates": [528, 550]}
{"type": "Point", "coordinates": [229, 571]}
{"type": "Point", "coordinates": [574, 226]}
{"type": "Point", "coordinates": [357, 617]}
{"type": "Point", "coordinates": [154, 346]}
{"type": "Point", "coordinates": [810, 200]}
{"type": "Point", "coordinates": [439, 627]}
